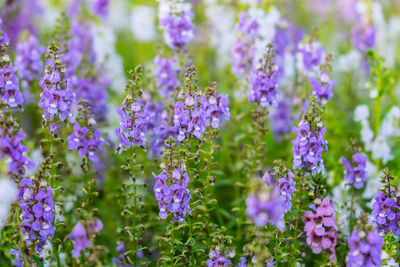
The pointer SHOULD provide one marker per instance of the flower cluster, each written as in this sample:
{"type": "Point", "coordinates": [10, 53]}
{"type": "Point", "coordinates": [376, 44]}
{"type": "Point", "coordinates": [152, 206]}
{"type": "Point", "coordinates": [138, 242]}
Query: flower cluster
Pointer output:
{"type": "Point", "coordinates": [215, 107]}
{"type": "Point", "coordinates": [281, 118]}
{"type": "Point", "coordinates": [177, 25]}
{"type": "Point", "coordinates": [309, 142]}
{"type": "Point", "coordinates": [18, 261]}
{"type": "Point", "coordinates": [93, 90]}
{"type": "Point", "coordinates": [9, 84]}
{"type": "Point", "coordinates": [311, 54]}
{"type": "Point", "coordinates": [172, 194]}
{"type": "Point", "coordinates": [217, 258]}
{"type": "Point", "coordinates": [356, 175]}
{"type": "Point", "coordinates": [363, 37]}
{"type": "Point", "coordinates": [282, 178]}
{"type": "Point", "coordinates": [320, 228]}
{"type": "Point", "coordinates": [28, 60]}
{"type": "Point", "coordinates": [265, 206]}
{"type": "Point", "coordinates": [11, 146]}
{"type": "Point", "coordinates": [134, 116]}
{"type": "Point", "coordinates": [80, 235]}
{"type": "Point", "coordinates": [263, 82]}
{"type": "Point", "coordinates": [365, 249]}
{"type": "Point", "coordinates": [100, 8]}
{"type": "Point", "coordinates": [189, 113]}
{"type": "Point", "coordinates": [167, 73]}
{"type": "Point", "coordinates": [322, 87]}
{"type": "Point", "coordinates": [385, 212]}
{"type": "Point", "coordinates": [243, 48]}
{"type": "Point", "coordinates": [87, 142]}
{"type": "Point", "coordinates": [36, 202]}
{"type": "Point", "coordinates": [57, 96]}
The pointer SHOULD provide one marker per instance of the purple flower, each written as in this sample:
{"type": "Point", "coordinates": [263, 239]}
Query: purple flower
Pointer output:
{"type": "Point", "coordinates": [217, 258]}
{"type": "Point", "coordinates": [216, 109]}
{"type": "Point", "coordinates": [18, 261]}
{"type": "Point", "coordinates": [79, 235]}
{"type": "Point", "coordinates": [243, 262]}
{"type": "Point", "coordinates": [172, 194]}
{"type": "Point", "coordinates": [36, 202]}
{"type": "Point", "coordinates": [356, 175]}
{"type": "Point", "coordinates": [100, 8]}
{"type": "Point", "coordinates": [283, 180]}
{"type": "Point", "coordinates": [311, 54]}
{"type": "Point", "coordinates": [9, 84]}
{"type": "Point", "coordinates": [308, 147]}
{"type": "Point", "coordinates": [386, 214]}
{"type": "Point", "coordinates": [57, 95]}
{"type": "Point", "coordinates": [363, 37]}
{"type": "Point", "coordinates": [11, 146]}
{"type": "Point", "coordinates": [322, 88]}
{"type": "Point", "coordinates": [133, 126]}
{"type": "Point", "coordinates": [265, 206]}
{"type": "Point", "coordinates": [281, 118]}
{"type": "Point", "coordinates": [87, 142]}
{"type": "Point", "coordinates": [365, 249]}
{"type": "Point", "coordinates": [28, 61]}
{"type": "Point", "coordinates": [177, 26]}
{"type": "Point", "coordinates": [243, 48]}
{"type": "Point", "coordinates": [167, 75]}
{"type": "Point", "coordinates": [263, 82]}
{"type": "Point", "coordinates": [320, 228]}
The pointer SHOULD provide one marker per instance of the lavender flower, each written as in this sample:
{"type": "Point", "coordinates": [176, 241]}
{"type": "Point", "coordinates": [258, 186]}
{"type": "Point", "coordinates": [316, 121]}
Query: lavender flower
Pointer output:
{"type": "Point", "coordinates": [217, 258]}
{"type": "Point", "coordinates": [11, 146]}
{"type": "Point", "coordinates": [243, 262]}
{"type": "Point", "coordinates": [281, 118]}
{"type": "Point", "coordinates": [133, 126]}
{"type": "Point", "coordinates": [309, 143]}
{"type": "Point", "coordinates": [265, 206]}
{"type": "Point", "coordinates": [189, 112]}
{"type": "Point", "coordinates": [9, 85]}
{"type": "Point", "coordinates": [28, 61]}
{"type": "Point", "coordinates": [282, 178]}
{"type": "Point", "coordinates": [215, 107]}
{"type": "Point", "coordinates": [311, 53]}
{"type": "Point", "coordinates": [263, 82]}
{"type": "Point", "coordinates": [57, 95]}
{"type": "Point", "coordinates": [17, 262]}
{"type": "Point", "coordinates": [167, 75]}
{"type": "Point", "coordinates": [79, 236]}
{"type": "Point", "coordinates": [365, 249]}
{"type": "Point", "coordinates": [243, 48]}
{"type": "Point", "coordinates": [88, 143]}
{"type": "Point", "coordinates": [134, 116]}
{"type": "Point", "coordinates": [177, 26]}
{"type": "Point", "coordinates": [322, 88]}
{"type": "Point", "coordinates": [356, 175]}
{"type": "Point", "coordinates": [320, 228]}
{"type": "Point", "coordinates": [385, 212]}
{"type": "Point", "coordinates": [100, 8]}
{"type": "Point", "coordinates": [172, 194]}
{"type": "Point", "coordinates": [36, 202]}
{"type": "Point", "coordinates": [363, 37]}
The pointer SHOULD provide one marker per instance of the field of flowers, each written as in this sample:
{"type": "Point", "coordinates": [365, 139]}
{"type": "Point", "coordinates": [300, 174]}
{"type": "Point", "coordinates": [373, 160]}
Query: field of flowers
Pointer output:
{"type": "Point", "coordinates": [199, 133]}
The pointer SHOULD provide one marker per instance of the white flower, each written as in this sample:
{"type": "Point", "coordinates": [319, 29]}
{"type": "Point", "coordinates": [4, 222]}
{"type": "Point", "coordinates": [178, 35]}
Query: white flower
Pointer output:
{"type": "Point", "coordinates": [142, 23]}
{"type": "Point", "coordinates": [8, 194]}
{"type": "Point", "coordinates": [222, 34]}
{"type": "Point", "coordinates": [361, 112]}
{"type": "Point", "coordinates": [266, 30]}
{"type": "Point", "coordinates": [381, 150]}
